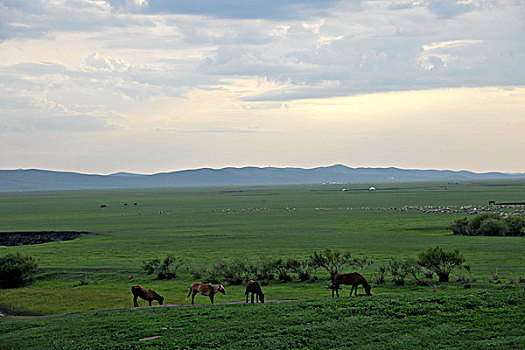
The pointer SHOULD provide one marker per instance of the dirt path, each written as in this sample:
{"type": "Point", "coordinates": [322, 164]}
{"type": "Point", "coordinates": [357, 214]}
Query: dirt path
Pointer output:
{"type": "Point", "coordinates": [229, 303]}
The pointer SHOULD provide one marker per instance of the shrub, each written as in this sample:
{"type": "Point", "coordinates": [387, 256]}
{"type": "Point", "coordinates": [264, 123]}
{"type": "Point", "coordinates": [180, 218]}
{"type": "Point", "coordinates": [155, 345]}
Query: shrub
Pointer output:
{"type": "Point", "coordinates": [493, 227]}
{"type": "Point", "coordinates": [165, 269]}
{"type": "Point", "coordinates": [362, 263]}
{"type": "Point", "coordinates": [263, 270]}
{"type": "Point", "coordinates": [489, 224]}
{"type": "Point", "coordinates": [381, 270]}
{"type": "Point", "coordinates": [441, 262]}
{"type": "Point", "coordinates": [399, 269]}
{"type": "Point", "coordinates": [331, 260]}
{"type": "Point", "coordinates": [461, 227]}
{"type": "Point", "coordinates": [282, 270]}
{"type": "Point", "coordinates": [303, 269]}
{"type": "Point", "coordinates": [17, 270]}
{"type": "Point", "coordinates": [515, 226]}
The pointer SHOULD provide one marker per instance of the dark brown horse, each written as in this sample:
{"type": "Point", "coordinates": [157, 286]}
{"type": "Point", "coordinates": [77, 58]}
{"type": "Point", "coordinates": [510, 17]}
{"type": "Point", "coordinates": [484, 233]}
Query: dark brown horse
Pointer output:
{"type": "Point", "coordinates": [207, 290]}
{"type": "Point", "coordinates": [146, 294]}
{"type": "Point", "coordinates": [254, 288]}
{"type": "Point", "coordinates": [354, 279]}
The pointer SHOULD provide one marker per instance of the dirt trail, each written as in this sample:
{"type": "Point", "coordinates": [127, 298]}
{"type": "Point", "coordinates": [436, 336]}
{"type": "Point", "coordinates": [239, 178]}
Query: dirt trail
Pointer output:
{"type": "Point", "coordinates": [228, 303]}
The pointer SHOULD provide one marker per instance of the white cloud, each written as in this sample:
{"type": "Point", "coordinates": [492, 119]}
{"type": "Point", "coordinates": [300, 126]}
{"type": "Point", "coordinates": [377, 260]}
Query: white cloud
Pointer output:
{"type": "Point", "coordinates": [209, 68]}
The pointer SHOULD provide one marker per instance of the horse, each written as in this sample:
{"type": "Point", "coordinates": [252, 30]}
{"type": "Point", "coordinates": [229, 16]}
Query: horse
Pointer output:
{"type": "Point", "coordinates": [146, 294]}
{"type": "Point", "coordinates": [207, 290]}
{"type": "Point", "coordinates": [254, 288]}
{"type": "Point", "coordinates": [354, 279]}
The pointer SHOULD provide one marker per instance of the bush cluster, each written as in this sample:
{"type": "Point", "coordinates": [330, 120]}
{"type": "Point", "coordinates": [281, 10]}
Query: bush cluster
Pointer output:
{"type": "Point", "coordinates": [265, 269]}
{"type": "Point", "coordinates": [17, 270]}
{"type": "Point", "coordinates": [429, 262]}
{"type": "Point", "coordinates": [489, 224]}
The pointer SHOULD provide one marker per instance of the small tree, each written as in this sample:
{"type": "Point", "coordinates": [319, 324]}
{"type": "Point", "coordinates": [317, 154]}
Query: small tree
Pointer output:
{"type": "Point", "coordinates": [264, 269]}
{"type": "Point", "coordinates": [362, 263]}
{"type": "Point", "coordinates": [399, 269]}
{"type": "Point", "coordinates": [303, 269]}
{"type": "Point", "coordinates": [331, 260]}
{"type": "Point", "coordinates": [382, 271]}
{"type": "Point", "coordinates": [165, 269]}
{"type": "Point", "coordinates": [441, 262]}
{"type": "Point", "coordinates": [17, 270]}
{"type": "Point", "coordinates": [282, 269]}
{"type": "Point", "coordinates": [493, 227]}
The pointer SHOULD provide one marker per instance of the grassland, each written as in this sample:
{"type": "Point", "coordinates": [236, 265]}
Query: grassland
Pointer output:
{"type": "Point", "coordinates": [201, 225]}
{"type": "Point", "coordinates": [465, 320]}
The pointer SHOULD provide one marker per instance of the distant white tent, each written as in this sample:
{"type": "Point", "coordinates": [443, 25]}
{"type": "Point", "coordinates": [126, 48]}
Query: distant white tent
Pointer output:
{"type": "Point", "coordinates": [372, 188]}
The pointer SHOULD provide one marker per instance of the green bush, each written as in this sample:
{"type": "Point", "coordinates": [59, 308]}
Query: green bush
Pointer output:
{"type": "Point", "coordinates": [331, 260]}
{"type": "Point", "coordinates": [399, 269]}
{"type": "Point", "coordinates": [17, 270]}
{"type": "Point", "coordinates": [493, 227]}
{"type": "Point", "coordinates": [441, 262]}
{"type": "Point", "coordinates": [303, 269]}
{"type": "Point", "coordinates": [489, 224]}
{"type": "Point", "coordinates": [515, 225]}
{"type": "Point", "coordinates": [165, 269]}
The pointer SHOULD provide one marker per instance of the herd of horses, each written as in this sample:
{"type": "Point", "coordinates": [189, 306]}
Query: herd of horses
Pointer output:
{"type": "Point", "coordinates": [209, 290]}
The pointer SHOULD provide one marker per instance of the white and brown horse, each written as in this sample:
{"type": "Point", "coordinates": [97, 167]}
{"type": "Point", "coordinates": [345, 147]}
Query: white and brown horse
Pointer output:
{"type": "Point", "coordinates": [146, 294]}
{"type": "Point", "coordinates": [208, 290]}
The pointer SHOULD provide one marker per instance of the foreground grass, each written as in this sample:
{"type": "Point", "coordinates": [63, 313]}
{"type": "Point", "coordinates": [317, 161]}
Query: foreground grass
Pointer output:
{"type": "Point", "coordinates": [459, 320]}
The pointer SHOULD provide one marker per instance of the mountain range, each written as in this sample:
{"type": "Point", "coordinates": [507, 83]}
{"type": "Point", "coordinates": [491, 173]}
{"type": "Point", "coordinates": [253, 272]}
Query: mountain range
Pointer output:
{"type": "Point", "coordinates": [36, 180]}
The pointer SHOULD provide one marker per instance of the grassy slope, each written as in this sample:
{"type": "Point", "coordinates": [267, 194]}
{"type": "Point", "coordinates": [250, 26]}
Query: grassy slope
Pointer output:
{"type": "Point", "coordinates": [189, 229]}
{"type": "Point", "coordinates": [462, 320]}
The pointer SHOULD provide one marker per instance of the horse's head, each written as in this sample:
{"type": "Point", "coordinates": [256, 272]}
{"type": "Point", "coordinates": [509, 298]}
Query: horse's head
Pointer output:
{"type": "Point", "coordinates": [367, 289]}
{"type": "Point", "coordinates": [161, 300]}
{"type": "Point", "coordinates": [221, 289]}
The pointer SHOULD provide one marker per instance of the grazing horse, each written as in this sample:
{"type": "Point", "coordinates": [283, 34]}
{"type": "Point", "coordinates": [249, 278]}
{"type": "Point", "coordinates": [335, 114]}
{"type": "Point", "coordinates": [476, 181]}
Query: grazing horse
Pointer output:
{"type": "Point", "coordinates": [354, 279]}
{"type": "Point", "coordinates": [208, 290]}
{"type": "Point", "coordinates": [254, 288]}
{"type": "Point", "coordinates": [146, 294]}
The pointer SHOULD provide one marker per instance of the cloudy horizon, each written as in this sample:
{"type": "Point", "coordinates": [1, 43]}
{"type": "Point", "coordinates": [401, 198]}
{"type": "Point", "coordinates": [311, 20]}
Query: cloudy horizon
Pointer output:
{"type": "Point", "coordinates": [149, 86]}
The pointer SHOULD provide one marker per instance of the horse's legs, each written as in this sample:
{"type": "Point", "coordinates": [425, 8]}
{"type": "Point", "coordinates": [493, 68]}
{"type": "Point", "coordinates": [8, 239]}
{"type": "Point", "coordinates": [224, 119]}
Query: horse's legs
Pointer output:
{"type": "Point", "coordinates": [211, 298]}
{"type": "Point", "coordinates": [135, 301]}
{"type": "Point", "coordinates": [337, 291]}
{"type": "Point", "coordinates": [253, 294]}
{"type": "Point", "coordinates": [193, 297]}
{"type": "Point", "coordinates": [351, 290]}
{"type": "Point", "coordinates": [246, 296]}
{"type": "Point", "coordinates": [149, 302]}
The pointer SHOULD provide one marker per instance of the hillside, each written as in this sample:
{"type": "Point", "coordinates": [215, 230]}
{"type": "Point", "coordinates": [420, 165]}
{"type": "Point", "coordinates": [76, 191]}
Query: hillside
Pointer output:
{"type": "Point", "coordinates": [35, 179]}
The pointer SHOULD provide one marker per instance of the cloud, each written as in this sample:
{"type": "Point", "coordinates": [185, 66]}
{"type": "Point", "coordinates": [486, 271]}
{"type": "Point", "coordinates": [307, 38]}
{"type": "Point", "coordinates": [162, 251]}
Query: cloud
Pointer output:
{"type": "Point", "coordinates": [234, 9]}
{"type": "Point", "coordinates": [106, 63]}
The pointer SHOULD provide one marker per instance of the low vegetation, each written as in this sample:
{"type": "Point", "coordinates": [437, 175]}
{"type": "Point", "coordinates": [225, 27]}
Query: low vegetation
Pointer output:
{"type": "Point", "coordinates": [17, 270]}
{"type": "Point", "coordinates": [489, 224]}
{"type": "Point", "coordinates": [463, 320]}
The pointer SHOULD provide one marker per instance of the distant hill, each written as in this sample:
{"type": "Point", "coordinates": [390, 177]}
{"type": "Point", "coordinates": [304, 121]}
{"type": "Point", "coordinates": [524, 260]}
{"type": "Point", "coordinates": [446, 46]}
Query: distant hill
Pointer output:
{"type": "Point", "coordinates": [34, 179]}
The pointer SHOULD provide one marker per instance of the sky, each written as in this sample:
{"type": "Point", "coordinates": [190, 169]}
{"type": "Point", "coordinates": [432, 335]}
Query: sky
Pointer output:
{"type": "Point", "coordinates": [148, 86]}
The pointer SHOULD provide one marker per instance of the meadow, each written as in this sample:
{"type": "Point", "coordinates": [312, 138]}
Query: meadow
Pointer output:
{"type": "Point", "coordinates": [201, 225]}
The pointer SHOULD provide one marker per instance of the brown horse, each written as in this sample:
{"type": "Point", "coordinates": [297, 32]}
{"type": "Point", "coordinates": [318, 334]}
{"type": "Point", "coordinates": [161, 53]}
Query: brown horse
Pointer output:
{"type": "Point", "coordinates": [354, 279]}
{"type": "Point", "coordinates": [254, 288]}
{"type": "Point", "coordinates": [146, 294]}
{"type": "Point", "coordinates": [207, 290]}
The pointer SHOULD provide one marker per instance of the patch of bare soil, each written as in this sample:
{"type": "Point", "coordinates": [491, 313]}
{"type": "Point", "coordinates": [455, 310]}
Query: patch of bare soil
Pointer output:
{"type": "Point", "coordinates": [10, 239]}
{"type": "Point", "coordinates": [229, 303]}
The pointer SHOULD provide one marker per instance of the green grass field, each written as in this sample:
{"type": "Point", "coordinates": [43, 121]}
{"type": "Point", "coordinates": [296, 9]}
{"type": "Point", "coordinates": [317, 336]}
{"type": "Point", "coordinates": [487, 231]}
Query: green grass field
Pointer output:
{"type": "Point", "coordinates": [201, 225]}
